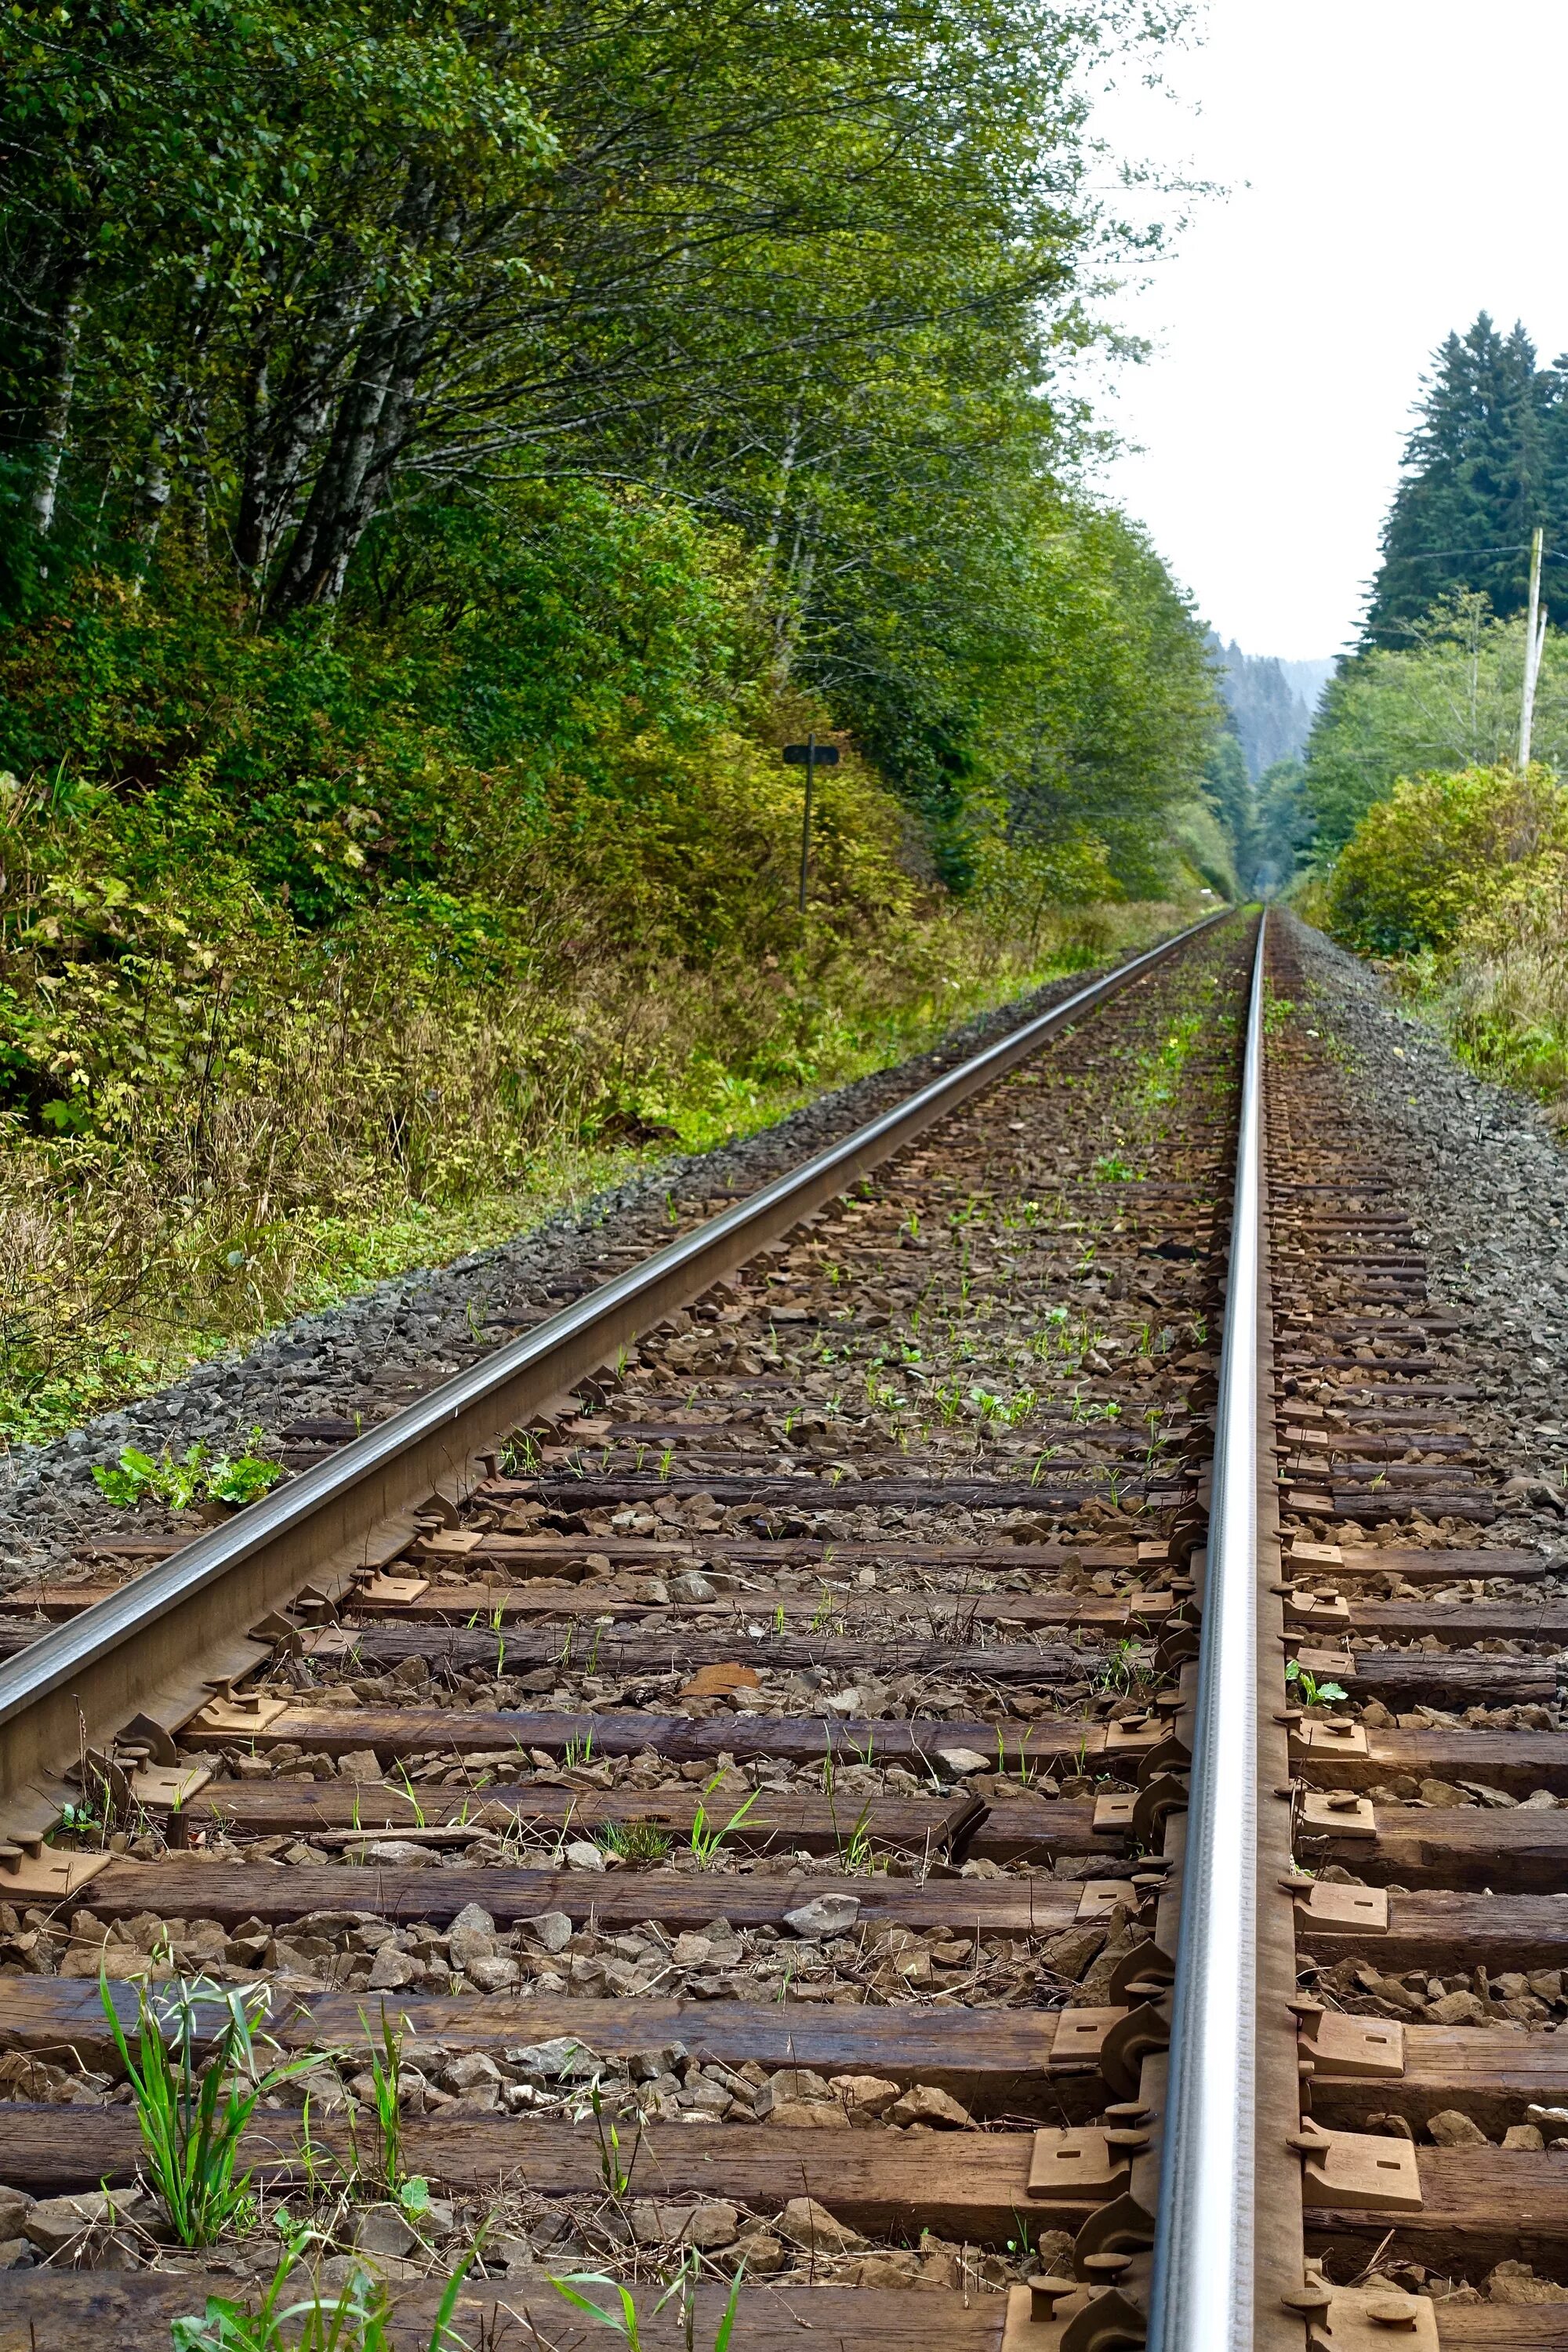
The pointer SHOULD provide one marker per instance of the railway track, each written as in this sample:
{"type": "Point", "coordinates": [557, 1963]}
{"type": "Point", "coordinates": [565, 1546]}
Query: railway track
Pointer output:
{"type": "Point", "coordinates": [956, 1748]}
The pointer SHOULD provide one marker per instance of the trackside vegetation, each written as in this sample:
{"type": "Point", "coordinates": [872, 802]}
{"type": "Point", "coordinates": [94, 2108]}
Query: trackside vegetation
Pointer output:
{"type": "Point", "coordinates": [1431, 849]}
{"type": "Point", "coordinates": [444, 458]}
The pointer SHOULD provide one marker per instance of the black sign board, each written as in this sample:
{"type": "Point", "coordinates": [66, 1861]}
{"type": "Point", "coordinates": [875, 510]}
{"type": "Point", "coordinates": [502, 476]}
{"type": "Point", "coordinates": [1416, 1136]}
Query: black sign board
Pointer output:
{"type": "Point", "coordinates": [811, 755]}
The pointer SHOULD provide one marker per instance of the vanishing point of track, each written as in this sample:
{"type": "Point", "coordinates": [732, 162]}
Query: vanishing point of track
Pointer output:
{"type": "Point", "coordinates": [953, 1743]}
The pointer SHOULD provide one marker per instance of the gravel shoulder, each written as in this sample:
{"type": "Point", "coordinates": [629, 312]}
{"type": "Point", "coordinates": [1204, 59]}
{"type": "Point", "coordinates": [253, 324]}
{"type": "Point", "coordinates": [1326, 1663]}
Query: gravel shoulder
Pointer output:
{"type": "Point", "coordinates": [367, 1358]}
{"type": "Point", "coordinates": [1486, 1184]}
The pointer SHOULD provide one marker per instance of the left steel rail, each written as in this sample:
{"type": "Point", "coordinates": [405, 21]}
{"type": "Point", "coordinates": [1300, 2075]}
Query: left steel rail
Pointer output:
{"type": "Point", "coordinates": [152, 1647]}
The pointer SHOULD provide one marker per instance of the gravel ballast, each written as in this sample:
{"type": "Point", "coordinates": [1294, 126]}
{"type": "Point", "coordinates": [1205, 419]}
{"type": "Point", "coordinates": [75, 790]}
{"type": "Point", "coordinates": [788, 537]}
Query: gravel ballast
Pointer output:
{"type": "Point", "coordinates": [1487, 1183]}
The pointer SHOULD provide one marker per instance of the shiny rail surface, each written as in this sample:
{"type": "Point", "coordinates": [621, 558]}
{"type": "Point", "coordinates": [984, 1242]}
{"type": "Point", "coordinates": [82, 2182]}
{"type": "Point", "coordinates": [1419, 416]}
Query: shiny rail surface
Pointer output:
{"type": "Point", "coordinates": [1203, 2290]}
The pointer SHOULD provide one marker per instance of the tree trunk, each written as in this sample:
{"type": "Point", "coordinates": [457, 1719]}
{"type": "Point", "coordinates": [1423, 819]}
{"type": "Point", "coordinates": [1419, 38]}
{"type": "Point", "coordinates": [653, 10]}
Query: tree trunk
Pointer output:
{"type": "Point", "coordinates": [151, 499]}
{"type": "Point", "coordinates": [371, 425]}
{"type": "Point", "coordinates": [284, 427]}
{"type": "Point", "coordinates": [55, 399]}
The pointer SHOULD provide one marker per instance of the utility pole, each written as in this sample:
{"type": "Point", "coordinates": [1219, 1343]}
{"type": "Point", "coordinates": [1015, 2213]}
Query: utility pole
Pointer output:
{"type": "Point", "coordinates": [809, 755]}
{"type": "Point", "coordinates": [1534, 645]}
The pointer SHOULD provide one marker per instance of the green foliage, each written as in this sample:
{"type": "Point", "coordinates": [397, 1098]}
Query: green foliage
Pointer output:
{"type": "Point", "coordinates": [1313, 1692]}
{"type": "Point", "coordinates": [627, 2321]}
{"type": "Point", "coordinates": [1449, 698]}
{"type": "Point", "coordinates": [387, 2101]}
{"type": "Point", "coordinates": [1228, 790]}
{"type": "Point", "coordinates": [707, 1836]}
{"type": "Point", "coordinates": [1203, 846]}
{"type": "Point", "coordinates": [1427, 862]}
{"type": "Point", "coordinates": [636, 1841]}
{"type": "Point", "coordinates": [1284, 826]}
{"type": "Point", "coordinates": [1099, 728]}
{"type": "Point", "coordinates": [243, 1479]}
{"type": "Point", "coordinates": [190, 1479]}
{"type": "Point", "coordinates": [356, 2317]}
{"type": "Point", "coordinates": [442, 460]}
{"type": "Point", "coordinates": [192, 2117]}
{"type": "Point", "coordinates": [1486, 462]}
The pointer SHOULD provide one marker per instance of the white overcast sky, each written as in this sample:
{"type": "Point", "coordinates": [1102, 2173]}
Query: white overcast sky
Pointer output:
{"type": "Point", "coordinates": [1391, 168]}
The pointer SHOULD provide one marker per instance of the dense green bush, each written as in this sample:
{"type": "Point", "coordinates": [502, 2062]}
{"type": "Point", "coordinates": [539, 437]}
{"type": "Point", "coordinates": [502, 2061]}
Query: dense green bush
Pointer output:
{"type": "Point", "coordinates": [1422, 867]}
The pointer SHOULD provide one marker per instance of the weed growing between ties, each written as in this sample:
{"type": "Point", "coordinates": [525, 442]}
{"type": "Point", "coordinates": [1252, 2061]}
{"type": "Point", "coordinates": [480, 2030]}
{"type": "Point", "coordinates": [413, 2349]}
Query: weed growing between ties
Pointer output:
{"type": "Point", "coordinates": [623, 2319]}
{"type": "Point", "coordinates": [355, 2318]}
{"type": "Point", "coordinates": [192, 2116]}
{"type": "Point", "coordinates": [196, 1476]}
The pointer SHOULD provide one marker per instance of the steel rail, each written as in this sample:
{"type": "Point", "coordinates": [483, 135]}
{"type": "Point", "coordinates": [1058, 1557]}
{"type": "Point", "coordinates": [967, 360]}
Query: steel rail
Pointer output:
{"type": "Point", "coordinates": [1202, 2288]}
{"type": "Point", "coordinates": [85, 1678]}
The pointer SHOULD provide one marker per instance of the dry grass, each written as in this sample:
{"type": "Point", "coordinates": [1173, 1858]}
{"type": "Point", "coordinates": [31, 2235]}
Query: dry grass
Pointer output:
{"type": "Point", "coordinates": [315, 1122]}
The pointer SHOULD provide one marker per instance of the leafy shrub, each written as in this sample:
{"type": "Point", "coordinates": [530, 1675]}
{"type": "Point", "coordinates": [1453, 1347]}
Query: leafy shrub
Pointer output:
{"type": "Point", "coordinates": [1423, 865]}
{"type": "Point", "coordinates": [181, 1481]}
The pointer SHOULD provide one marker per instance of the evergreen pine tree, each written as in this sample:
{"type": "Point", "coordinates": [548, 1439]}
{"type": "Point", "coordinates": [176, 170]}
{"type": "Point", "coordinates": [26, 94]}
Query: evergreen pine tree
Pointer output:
{"type": "Point", "coordinates": [1486, 462]}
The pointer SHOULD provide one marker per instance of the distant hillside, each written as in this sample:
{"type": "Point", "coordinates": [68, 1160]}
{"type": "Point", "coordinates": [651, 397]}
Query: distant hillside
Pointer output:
{"type": "Point", "coordinates": [1308, 680]}
{"type": "Point", "coordinates": [1270, 702]}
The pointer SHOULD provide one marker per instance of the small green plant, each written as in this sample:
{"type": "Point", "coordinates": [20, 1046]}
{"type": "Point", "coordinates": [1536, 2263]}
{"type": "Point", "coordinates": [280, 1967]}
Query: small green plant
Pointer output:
{"type": "Point", "coordinates": [243, 1479]}
{"type": "Point", "coordinates": [707, 1837]}
{"type": "Point", "coordinates": [577, 1753]}
{"type": "Point", "coordinates": [855, 1853]}
{"type": "Point", "coordinates": [949, 1399]}
{"type": "Point", "coordinates": [414, 2196]}
{"type": "Point", "coordinates": [409, 1792]}
{"type": "Point", "coordinates": [640, 1842]}
{"type": "Point", "coordinates": [192, 2117]}
{"type": "Point", "coordinates": [1122, 1667]}
{"type": "Point", "coordinates": [616, 2176]}
{"type": "Point", "coordinates": [625, 2322]}
{"type": "Point", "coordinates": [1112, 1168]}
{"type": "Point", "coordinates": [1313, 1692]}
{"type": "Point", "coordinates": [356, 2318]}
{"type": "Point", "coordinates": [179, 1481]}
{"type": "Point", "coordinates": [386, 2092]}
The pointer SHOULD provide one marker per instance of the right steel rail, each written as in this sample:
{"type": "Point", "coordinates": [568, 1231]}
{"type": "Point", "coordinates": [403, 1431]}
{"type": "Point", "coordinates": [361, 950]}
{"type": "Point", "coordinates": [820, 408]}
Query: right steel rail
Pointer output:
{"type": "Point", "coordinates": [1203, 2292]}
